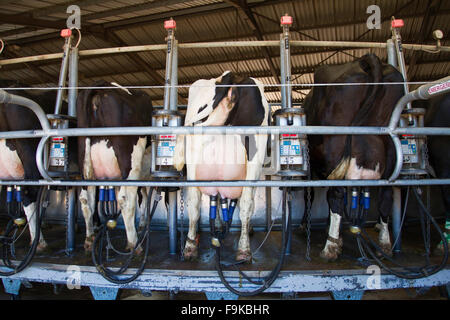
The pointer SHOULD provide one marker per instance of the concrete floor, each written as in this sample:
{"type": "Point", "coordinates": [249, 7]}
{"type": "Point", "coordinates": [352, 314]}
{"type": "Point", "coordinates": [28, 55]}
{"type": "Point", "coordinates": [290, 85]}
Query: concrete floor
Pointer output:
{"type": "Point", "coordinates": [265, 259]}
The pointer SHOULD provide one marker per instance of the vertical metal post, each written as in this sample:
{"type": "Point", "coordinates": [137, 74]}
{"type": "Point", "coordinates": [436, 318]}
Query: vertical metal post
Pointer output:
{"type": "Point", "coordinates": [288, 227]}
{"type": "Point", "coordinates": [67, 34]}
{"type": "Point", "coordinates": [396, 219]}
{"type": "Point", "coordinates": [174, 77]}
{"type": "Point", "coordinates": [397, 196]}
{"type": "Point", "coordinates": [73, 82]}
{"type": "Point", "coordinates": [397, 40]}
{"type": "Point", "coordinates": [285, 55]}
{"type": "Point", "coordinates": [286, 96]}
{"type": "Point", "coordinates": [171, 103]}
{"type": "Point", "coordinates": [391, 54]}
{"type": "Point", "coordinates": [172, 222]}
{"type": "Point", "coordinates": [268, 217]}
{"type": "Point", "coordinates": [72, 112]}
{"type": "Point", "coordinates": [283, 72]}
{"type": "Point", "coordinates": [71, 220]}
{"type": "Point", "coordinates": [169, 25]}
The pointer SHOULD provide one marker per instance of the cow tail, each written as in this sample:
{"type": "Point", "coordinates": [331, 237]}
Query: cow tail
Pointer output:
{"type": "Point", "coordinates": [371, 64]}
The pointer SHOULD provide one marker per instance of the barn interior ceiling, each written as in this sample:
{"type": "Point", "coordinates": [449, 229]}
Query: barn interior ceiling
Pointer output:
{"type": "Point", "coordinates": [31, 27]}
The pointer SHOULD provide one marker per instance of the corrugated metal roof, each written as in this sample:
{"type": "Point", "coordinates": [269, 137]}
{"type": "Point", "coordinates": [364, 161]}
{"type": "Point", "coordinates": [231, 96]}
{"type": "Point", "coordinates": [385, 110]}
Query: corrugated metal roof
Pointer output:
{"type": "Point", "coordinates": [141, 22]}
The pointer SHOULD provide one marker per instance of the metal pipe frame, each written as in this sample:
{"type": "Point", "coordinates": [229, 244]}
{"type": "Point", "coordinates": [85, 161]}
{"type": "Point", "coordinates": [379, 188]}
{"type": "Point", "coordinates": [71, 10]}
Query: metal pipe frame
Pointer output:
{"type": "Point", "coordinates": [314, 130]}
{"type": "Point", "coordinates": [222, 44]}
{"type": "Point", "coordinates": [247, 130]}
{"type": "Point", "coordinates": [230, 183]}
{"type": "Point", "coordinates": [424, 92]}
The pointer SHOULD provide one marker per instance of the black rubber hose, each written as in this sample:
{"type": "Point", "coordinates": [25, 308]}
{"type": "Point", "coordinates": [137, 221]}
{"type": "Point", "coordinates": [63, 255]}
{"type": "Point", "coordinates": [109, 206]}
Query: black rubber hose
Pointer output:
{"type": "Point", "coordinates": [266, 282]}
{"type": "Point", "coordinates": [112, 275]}
{"type": "Point", "coordinates": [414, 273]}
{"type": "Point", "coordinates": [42, 194]}
{"type": "Point", "coordinates": [110, 212]}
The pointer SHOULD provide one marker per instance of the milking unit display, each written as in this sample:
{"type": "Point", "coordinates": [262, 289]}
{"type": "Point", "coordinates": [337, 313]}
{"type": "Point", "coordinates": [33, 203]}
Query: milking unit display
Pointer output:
{"type": "Point", "coordinates": [289, 163]}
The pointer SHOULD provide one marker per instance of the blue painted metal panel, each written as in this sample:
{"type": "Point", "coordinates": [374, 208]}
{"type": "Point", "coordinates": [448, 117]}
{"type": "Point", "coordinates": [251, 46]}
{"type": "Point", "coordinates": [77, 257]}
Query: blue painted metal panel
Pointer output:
{"type": "Point", "coordinates": [12, 286]}
{"type": "Point", "coordinates": [100, 293]}
{"type": "Point", "coordinates": [348, 295]}
{"type": "Point", "coordinates": [221, 296]}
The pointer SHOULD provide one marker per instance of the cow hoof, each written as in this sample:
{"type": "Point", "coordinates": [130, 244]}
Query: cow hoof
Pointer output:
{"type": "Point", "coordinates": [329, 256]}
{"type": "Point", "coordinates": [386, 248]}
{"type": "Point", "coordinates": [244, 255]}
{"type": "Point", "coordinates": [88, 244]}
{"type": "Point", "coordinates": [42, 247]}
{"type": "Point", "coordinates": [190, 251]}
{"type": "Point", "coordinates": [332, 250]}
{"type": "Point", "coordinates": [137, 252]}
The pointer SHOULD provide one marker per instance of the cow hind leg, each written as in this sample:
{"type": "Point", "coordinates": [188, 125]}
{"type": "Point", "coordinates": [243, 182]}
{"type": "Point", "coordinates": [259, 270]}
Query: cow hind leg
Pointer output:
{"type": "Point", "coordinates": [87, 200]}
{"type": "Point", "coordinates": [127, 204]}
{"type": "Point", "coordinates": [193, 200]}
{"type": "Point", "coordinates": [246, 205]}
{"type": "Point", "coordinates": [384, 208]}
{"type": "Point", "coordinates": [333, 246]}
{"type": "Point", "coordinates": [142, 206]}
{"type": "Point", "coordinates": [31, 214]}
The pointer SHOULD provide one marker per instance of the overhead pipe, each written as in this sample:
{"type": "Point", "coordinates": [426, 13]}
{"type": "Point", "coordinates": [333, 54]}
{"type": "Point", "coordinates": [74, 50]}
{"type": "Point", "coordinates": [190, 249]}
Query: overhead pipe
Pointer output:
{"type": "Point", "coordinates": [225, 44]}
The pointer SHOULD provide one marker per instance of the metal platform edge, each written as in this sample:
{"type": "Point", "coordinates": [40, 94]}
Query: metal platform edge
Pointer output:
{"type": "Point", "coordinates": [209, 281]}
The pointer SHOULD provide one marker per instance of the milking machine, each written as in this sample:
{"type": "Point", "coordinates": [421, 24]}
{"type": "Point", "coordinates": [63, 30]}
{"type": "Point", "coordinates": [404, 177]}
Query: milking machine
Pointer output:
{"type": "Point", "coordinates": [414, 164]}
{"type": "Point", "coordinates": [56, 153]}
{"type": "Point", "coordinates": [290, 155]}
{"type": "Point", "coordinates": [57, 163]}
{"type": "Point", "coordinates": [163, 146]}
{"type": "Point", "coordinates": [16, 226]}
{"type": "Point", "coordinates": [290, 161]}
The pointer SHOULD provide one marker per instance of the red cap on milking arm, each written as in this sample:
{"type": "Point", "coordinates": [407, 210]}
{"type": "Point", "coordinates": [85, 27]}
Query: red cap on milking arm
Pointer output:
{"type": "Point", "coordinates": [170, 24]}
{"type": "Point", "coordinates": [286, 20]}
{"type": "Point", "coordinates": [397, 23]}
{"type": "Point", "coordinates": [65, 33]}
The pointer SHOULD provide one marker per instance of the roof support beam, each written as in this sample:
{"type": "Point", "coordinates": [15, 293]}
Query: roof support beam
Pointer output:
{"type": "Point", "coordinates": [138, 61]}
{"type": "Point", "coordinates": [40, 74]}
{"type": "Point", "coordinates": [247, 14]}
{"type": "Point", "coordinates": [28, 20]}
{"type": "Point", "coordinates": [425, 30]}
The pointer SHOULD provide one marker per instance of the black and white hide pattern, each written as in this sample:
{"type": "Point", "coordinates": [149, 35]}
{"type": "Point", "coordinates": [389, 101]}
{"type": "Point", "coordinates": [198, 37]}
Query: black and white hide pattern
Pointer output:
{"type": "Point", "coordinates": [217, 102]}
{"type": "Point", "coordinates": [353, 157]}
{"type": "Point", "coordinates": [114, 157]}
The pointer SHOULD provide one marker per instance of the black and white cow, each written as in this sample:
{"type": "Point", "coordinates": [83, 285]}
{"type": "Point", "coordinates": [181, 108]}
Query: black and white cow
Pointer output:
{"type": "Point", "coordinates": [353, 157]}
{"type": "Point", "coordinates": [215, 102]}
{"type": "Point", "coordinates": [114, 157]}
{"type": "Point", "coordinates": [18, 156]}
{"type": "Point", "coordinates": [438, 115]}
